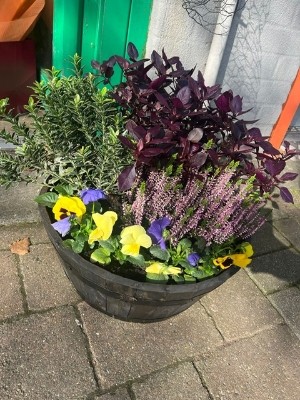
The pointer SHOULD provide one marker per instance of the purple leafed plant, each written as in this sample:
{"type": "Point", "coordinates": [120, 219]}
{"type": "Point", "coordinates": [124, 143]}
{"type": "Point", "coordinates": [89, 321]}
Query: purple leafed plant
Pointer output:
{"type": "Point", "coordinates": [175, 118]}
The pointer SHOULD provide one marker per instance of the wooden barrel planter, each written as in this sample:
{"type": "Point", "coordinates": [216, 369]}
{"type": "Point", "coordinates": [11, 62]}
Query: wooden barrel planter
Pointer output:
{"type": "Point", "coordinates": [124, 298]}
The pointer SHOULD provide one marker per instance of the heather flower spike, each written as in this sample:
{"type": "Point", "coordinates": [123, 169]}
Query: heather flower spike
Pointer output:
{"type": "Point", "coordinates": [156, 229]}
{"type": "Point", "coordinates": [90, 195]}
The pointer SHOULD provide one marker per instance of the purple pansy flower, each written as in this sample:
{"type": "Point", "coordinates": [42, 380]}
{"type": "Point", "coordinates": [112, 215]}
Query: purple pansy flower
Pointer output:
{"type": "Point", "coordinates": [156, 229]}
{"type": "Point", "coordinates": [62, 226]}
{"type": "Point", "coordinates": [193, 259]}
{"type": "Point", "coordinates": [89, 195]}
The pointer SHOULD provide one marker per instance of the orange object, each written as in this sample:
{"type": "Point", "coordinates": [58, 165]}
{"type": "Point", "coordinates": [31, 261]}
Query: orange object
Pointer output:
{"type": "Point", "coordinates": [288, 111]}
{"type": "Point", "coordinates": [17, 18]}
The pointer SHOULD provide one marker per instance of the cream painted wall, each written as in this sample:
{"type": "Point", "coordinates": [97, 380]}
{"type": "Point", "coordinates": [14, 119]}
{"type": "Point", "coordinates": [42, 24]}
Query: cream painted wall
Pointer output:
{"type": "Point", "coordinates": [262, 57]}
{"type": "Point", "coordinates": [172, 28]}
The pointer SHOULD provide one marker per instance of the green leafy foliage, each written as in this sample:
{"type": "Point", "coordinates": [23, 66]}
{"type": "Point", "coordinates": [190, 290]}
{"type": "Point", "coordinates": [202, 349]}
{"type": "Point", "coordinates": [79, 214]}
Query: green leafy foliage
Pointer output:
{"type": "Point", "coordinates": [72, 137]}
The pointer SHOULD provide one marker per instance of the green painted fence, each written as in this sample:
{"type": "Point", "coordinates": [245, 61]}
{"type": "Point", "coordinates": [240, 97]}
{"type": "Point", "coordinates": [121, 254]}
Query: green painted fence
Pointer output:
{"type": "Point", "coordinates": [97, 29]}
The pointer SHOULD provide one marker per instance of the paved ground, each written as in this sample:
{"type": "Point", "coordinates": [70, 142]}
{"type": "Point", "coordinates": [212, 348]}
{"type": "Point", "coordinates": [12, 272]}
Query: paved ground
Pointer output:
{"type": "Point", "coordinates": [242, 341]}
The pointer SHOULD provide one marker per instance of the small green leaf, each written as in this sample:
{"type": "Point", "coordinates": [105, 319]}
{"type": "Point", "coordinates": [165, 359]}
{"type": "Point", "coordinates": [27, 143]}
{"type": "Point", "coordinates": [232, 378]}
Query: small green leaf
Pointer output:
{"type": "Point", "coordinates": [68, 244]}
{"type": "Point", "coordinates": [64, 190]}
{"type": "Point", "coordinates": [106, 245]}
{"type": "Point", "coordinates": [185, 244]}
{"type": "Point", "coordinates": [178, 279]}
{"type": "Point", "coordinates": [159, 253]}
{"type": "Point", "coordinates": [77, 246]}
{"type": "Point", "coordinates": [189, 279]}
{"type": "Point", "coordinates": [184, 263]}
{"type": "Point", "coordinates": [157, 278]}
{"type": "Point", "coordinates": [47, 199]}
{"type": "Point", "coordinates": [139, 260]}
{"type": "Point", "coordinates": [101, 256]}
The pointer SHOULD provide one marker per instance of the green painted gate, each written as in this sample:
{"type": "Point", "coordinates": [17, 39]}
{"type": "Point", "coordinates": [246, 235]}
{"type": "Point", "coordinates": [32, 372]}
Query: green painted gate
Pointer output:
{"type": "Point", "coordinates": [97, 29]}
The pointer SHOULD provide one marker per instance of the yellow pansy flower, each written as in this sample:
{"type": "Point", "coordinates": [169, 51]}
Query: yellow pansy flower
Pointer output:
{"type": "Point", "coordinates": [104, 223]}
{"type": "Point", "coordinates": [159, 268]}
{"type": "Point", "coordinates": [240, 260]}
{"type": "Point", "coordinates": [248, 249]}
{"type": "Point", "coordinates": [132, 238]}
{"type": "Point", "coordinates": [66, 206]}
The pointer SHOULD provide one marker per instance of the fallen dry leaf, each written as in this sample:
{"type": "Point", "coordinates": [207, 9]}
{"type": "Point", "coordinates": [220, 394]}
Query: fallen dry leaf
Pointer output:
{"type": "Point", "coordinates": [20, 247]}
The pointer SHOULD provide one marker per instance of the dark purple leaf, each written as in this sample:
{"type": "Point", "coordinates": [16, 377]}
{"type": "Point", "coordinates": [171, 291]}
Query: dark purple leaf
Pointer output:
{"type": "Point", "coordinates": [124, 64]}
{"type": "Point", "coordinates": [109, 72]}
{"type": "Point", "coordinates": [213, 156]}
{"type": "Point", "coordinates": [152, 151]}
{"type": "Point", "coordinates": [201, 80]}
{"type": "Point", "coordinates": [268, 148]}
{"type": "Point", "coordinates": [288, 176]}
{"type": "Point", "coordinates": [274, 167]}
{"type": "Point", "coordinates": [223, 101]}
{"type": "Point", "coordinates": [173, 60]}
{"type": "Point", "coordinates": [237, 132]}
{"type": "Point", "coordinates": [195, 135]}
{"type": "Point", "coordinates": [177, 103]}
{"type": "Point", "coordinates": [198, 160]}
{"type": "Point", "coordinates": [286, 195]}
{"type": "Point", "coordinates": [162, 100]}
{"type": "Point", "coordinates": [96, 65]}
{"type": "Point", "coordinates": [111, 61]}
{"type": "Point", "coordinates": [255, 134]}
{"type": "Point", "coordinates": [127, 142]}
{"type": "Point", "coordinates": [212, 92]}
{"type": "Point", "coordinates": [158, 62]}
{"type": "Point", "coordinates": [137, 132]}
{"type": "Point", "coordinates": [126, 178]}
{"type": "Point", "coordinates": [194, 87]}
{"type": "Point", "coordinates": [236, 104]}
{"type": "Point", "coordinates": [245, 149]}
{"type": "Point", "coordinates": [184, 95]}
{"type": "Point", "coordinates": [138, 63]}
{"type": "Point", "coordinates": [132, 51]}
{"type": "Point", "coordinates": [158, 82]}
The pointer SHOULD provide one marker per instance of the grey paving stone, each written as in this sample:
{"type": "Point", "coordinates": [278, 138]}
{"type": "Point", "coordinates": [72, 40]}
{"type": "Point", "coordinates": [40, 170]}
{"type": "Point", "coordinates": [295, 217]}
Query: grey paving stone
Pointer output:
{"type": "Point", "coordinates": [290, 229]}
{"type": "Point", "coordinates": [287, 302]}
{"type": "Point", "coordinates": [262, 367]}
{"type": "Point", "coordinates": [45, 282]}
{"type": "Point", "coordinates": [11, 302]}
{"type": "Point", "coordinates": [44, 357]}
{"type": "Point", "coordinates": [239, 308]}
{"type": "Point", "coordinates": [275, 271]}
{"type": "Point", "coordinates": [124, 350]}
{"type": "Point", "coordinates": [267, 239]}
{"type": "Point", "coordinates": [35, 232]}
{"type": "Point", "coordinates": [17, 204]}
{"type": "Point", "coordinates": [182, 382]}
{"type": "Point", "coordinates": [120, 394]}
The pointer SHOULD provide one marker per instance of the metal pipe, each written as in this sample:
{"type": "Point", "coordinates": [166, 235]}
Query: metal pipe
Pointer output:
{"type": "Point", "coordinates": [219, 41]}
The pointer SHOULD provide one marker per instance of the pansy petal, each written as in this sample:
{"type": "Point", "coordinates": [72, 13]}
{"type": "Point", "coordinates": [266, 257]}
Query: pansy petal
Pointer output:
{"type": "Point", "coordinates": [131, 250]}
{"type": "Point", "coordinates": [155, 268]}
{"type": "Point", "coordinates": [193, 259]}
{"type": "Point", "coordinates": [248, 250]}
{"type": "Point", "coordinates": [62, 226]}
{"type": "Point", "coordinates": [134, 230]}
{"type": "Point", "coordinates": [144, 241]}
{"type": "Point", "coordinates": [89, 195]}
{"type": "Point", "coordinates": [127, 239]}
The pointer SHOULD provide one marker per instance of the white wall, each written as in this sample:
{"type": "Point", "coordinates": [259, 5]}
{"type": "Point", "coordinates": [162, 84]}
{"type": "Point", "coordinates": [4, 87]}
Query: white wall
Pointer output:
{"type": "Point", "coordinates": [172, 29]}
{"type": "Point", "coordinates": [262, 57]}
